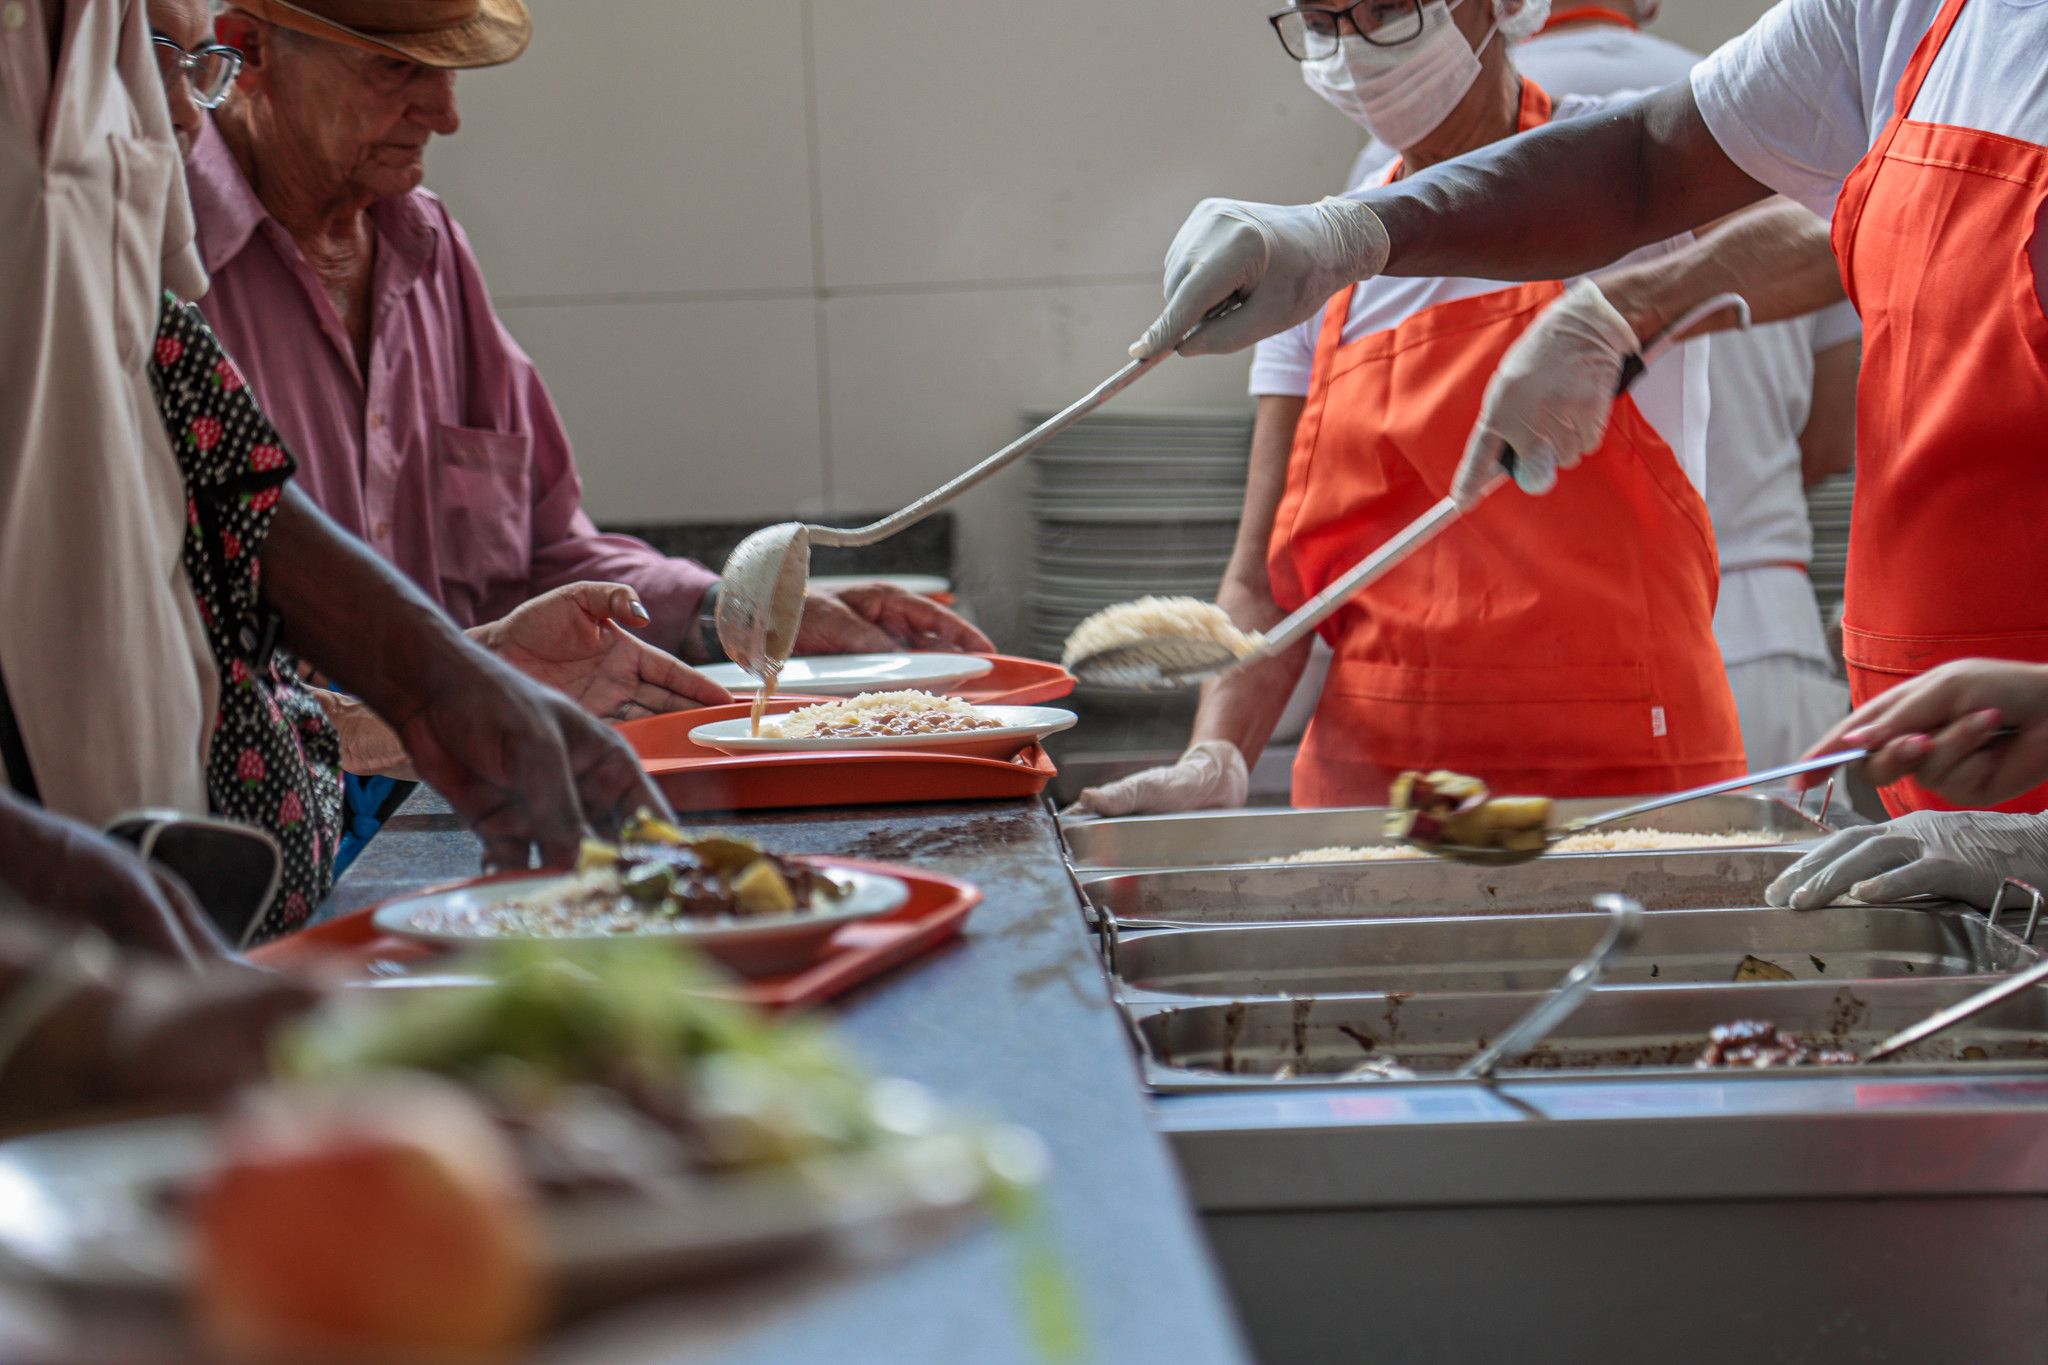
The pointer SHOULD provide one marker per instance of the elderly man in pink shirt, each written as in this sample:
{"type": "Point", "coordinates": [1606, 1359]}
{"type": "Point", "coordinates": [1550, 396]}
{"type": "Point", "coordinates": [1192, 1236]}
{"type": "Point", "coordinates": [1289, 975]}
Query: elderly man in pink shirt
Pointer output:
{"type": "Point", "coordinates": [351, 298]}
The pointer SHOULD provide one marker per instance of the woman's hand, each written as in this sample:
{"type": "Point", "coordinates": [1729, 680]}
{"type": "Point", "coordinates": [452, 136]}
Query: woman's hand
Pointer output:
{"type": "Point", "coordinates": [1939, 728]}
{"type": "Point", "coordinates": [880, 617]}
{"type": "Point", "coordinates": [574, 640]}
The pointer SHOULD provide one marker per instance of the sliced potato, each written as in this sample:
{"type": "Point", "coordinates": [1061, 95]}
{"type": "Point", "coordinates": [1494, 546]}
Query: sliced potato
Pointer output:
{"type": "Point", "coordinates": [760, 890]}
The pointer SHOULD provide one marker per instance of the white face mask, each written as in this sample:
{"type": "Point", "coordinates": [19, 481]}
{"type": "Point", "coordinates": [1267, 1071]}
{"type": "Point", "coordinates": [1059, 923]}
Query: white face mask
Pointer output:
{"type": "Point", "coordinates": [1400, 94]}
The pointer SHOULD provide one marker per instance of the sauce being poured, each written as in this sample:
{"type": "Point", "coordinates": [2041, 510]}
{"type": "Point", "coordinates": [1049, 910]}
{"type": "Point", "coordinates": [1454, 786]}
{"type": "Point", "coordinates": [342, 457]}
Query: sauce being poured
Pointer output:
{"type": "Point", "coordinates": [768, 680]}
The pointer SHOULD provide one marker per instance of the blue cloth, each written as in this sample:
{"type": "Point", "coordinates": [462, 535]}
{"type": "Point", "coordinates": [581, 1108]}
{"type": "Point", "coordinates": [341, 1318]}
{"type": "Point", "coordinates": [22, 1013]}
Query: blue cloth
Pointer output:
{"type": "Point", "coordinates": [367, 802]}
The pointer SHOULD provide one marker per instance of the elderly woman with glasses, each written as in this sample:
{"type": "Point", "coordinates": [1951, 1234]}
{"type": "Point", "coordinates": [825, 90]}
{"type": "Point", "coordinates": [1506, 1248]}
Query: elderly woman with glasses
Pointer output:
{"type": "Point", "coordinates": [1570, 654]}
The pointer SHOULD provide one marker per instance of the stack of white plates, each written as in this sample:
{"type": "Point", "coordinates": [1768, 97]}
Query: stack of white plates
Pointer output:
{"type": "Point", "coordinates": [1129, 504]}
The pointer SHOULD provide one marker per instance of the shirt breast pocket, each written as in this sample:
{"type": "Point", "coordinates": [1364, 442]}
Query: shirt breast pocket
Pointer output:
{"type": "Point", "coordinates": [142, 187]}
{"type": "Point", "coordinates": [486, 509]}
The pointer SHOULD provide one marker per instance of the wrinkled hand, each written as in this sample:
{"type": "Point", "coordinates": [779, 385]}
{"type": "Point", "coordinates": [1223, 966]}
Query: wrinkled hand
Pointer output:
{"type": "Point", "coordinates": [1938, 728]}
{"type": "Point", "coordinates": [1954, 855]}
{"type": "Point", "coordinates": [1209, 776]}
{"type": "Point", "coordinates": [1551, 397]}
{"type": "Point", "coordinates": [77, 875]}
{"type": "Point", "coordinates": [878, 617]}
{"type": "Point", "coordinates": [1283, 261]}
{"type": "Point", "coordinates": [573, 640]}
{"type": "Point", "coordinates": [520, 763]}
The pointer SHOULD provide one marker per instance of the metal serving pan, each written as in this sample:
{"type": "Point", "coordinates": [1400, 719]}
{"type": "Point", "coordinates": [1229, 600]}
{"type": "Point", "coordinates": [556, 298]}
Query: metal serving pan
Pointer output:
{"type": "Point", "coordinates": [1530, 952]}
{"type": "Point", "coordinates": [1214, 838]}
{"type": "Point", "coordinates": [1619, 1029]}
{"type": "Point", "coordinates": [1688, 879]}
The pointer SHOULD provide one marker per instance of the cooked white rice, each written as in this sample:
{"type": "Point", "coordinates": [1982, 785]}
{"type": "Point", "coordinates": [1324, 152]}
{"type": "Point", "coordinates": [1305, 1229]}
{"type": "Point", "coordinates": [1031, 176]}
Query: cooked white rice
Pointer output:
{"type": "Point", "coordinates": [1185, 618]}
{"type": "Point", "coordinates": [1611, 841]}
{"type": "Point", "coordinates": [808, 721]}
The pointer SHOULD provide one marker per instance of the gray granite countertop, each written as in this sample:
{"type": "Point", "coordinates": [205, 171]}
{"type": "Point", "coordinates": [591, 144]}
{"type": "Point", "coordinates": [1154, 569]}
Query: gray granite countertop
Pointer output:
{"type": "Point", "coordinates": [1014, 1017]}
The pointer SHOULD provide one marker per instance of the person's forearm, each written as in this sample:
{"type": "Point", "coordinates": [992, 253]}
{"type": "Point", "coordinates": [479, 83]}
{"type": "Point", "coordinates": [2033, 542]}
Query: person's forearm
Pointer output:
{"type": "Point", "coordinates": [352, 616]}
{"type": "Point", "coordinates": [1776, 256]}
{"type": "Point", "coordinates": [1245, 704]}
{"type": "Point", "coordinates": [1565, 199]}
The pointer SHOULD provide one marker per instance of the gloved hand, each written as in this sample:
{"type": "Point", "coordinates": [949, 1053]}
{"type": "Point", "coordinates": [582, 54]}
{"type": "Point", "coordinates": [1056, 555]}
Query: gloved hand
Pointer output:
{"type": "Point", "coordinates": [1210, 776]}
{"type": "Point", "coordinates": [1551, 396]}
{"type": "Point", "coordinates": [1955, 855]}
{"type": "Point", "coordinates": [1940, 728]}
{"type": "Point", "coordinates": [1282, 260]}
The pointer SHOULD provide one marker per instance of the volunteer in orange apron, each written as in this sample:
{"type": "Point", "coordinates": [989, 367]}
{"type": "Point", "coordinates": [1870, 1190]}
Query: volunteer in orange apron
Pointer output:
{"type": "Point", "coordinates": [1928, 121]}
{"type": "Point", "coordinates": [1569, 653]}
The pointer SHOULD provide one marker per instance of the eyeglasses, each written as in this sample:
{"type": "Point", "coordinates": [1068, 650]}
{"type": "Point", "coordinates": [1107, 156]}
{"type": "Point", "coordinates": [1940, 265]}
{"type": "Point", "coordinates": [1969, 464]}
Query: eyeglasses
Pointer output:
{"type": "Point", "coordinates": [1310, 33]}
{"type": "Point", "coordinates": [210, 72]}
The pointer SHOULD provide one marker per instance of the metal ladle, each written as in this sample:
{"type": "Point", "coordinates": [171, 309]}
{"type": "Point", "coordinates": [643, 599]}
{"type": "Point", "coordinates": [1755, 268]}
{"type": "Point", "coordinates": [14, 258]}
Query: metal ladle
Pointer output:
{"type": "Point", "coordinates": [1624, 927]}
{"type": "Point", "coordinates": [761, 593]}
{"type": "Point", "coordinates": [1159, 662]}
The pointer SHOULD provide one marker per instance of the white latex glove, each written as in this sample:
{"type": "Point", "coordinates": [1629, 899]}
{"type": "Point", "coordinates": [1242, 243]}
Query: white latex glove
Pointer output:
{"type": "Point", "coordinates": [1210, 776]}
{"type": "Point", "coordinates": [1283, 261]}
{"type": "Point", "coordinates": [1955, 855]}
{"type": "Point", "coordinates": [1551, 396]}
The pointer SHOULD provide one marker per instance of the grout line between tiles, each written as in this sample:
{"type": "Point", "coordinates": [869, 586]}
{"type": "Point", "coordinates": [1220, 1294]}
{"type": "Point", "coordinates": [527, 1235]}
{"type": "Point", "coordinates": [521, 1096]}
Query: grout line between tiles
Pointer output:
{"type": "Point", "coordinates": [806, 20]}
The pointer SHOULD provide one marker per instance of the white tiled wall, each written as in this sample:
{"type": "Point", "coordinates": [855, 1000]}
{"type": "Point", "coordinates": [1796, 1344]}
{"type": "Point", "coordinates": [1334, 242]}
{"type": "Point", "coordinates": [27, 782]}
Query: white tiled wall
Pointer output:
{"type": "Point", "coordinates": [803, 257]}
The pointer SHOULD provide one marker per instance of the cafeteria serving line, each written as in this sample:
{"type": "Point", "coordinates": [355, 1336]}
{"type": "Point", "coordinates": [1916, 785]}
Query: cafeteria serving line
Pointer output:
{"type": "Point", "coordinates": [770, 1007]}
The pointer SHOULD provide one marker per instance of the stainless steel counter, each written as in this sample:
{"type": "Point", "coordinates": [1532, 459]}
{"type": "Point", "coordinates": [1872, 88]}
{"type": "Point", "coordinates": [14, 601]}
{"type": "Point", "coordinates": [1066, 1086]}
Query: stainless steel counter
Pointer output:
{"type": "Point", "coordinates": [1602, 1200]}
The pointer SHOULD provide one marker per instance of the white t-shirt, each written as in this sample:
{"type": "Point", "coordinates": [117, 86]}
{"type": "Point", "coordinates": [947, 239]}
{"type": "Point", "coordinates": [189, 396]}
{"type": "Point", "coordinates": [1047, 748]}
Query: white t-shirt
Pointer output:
{"type": "Point", "coordinates": [1798, 99]}
{"type": "Point", "coordinates": [1672, 394]}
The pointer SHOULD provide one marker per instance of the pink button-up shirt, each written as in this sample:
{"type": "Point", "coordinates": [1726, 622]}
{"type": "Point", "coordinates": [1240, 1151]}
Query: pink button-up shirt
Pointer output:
{"type": "Point", "coordinates": [448, 457]}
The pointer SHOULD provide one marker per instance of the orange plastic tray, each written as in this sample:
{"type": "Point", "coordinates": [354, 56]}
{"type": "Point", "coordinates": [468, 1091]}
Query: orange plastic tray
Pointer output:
{"type": "Point", "coordinates": [346, 947]}
{"type": "Point", "coordinates": [1014, 681]}
{"type": "Point", "coordinates": [694, 778]}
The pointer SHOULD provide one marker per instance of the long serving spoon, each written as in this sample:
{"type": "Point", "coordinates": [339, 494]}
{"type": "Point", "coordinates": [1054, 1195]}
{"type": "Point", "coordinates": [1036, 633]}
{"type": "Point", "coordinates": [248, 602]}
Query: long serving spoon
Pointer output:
{"type": "Point", "coordinates": [1159, 662]}
{"type": "Point", "coordinates": [1472, 853]}
{"type": "Point", "coordinates": [761, 593]}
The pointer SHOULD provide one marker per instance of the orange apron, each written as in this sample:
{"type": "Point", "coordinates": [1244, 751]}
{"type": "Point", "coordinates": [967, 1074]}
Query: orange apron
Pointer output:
{"type": "Point", "coordinates": [1563, 648]}
{"type": "Point", "coordinates": [1932, 230]}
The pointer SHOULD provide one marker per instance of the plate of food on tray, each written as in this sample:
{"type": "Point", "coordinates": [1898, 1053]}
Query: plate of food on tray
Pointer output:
{"type": "Point", "coordinates": [903, 720]}
{"type": "Point", "coordinates": [439, 1174]}
{"type": "Point", "coordinates": [756, 911]}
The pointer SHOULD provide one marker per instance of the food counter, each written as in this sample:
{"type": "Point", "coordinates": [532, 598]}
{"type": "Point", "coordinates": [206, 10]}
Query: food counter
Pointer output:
{"type": "Point", "coordinates": [1602, 1199]}
{"type": "Point", "coordinates": [1014, 1016]}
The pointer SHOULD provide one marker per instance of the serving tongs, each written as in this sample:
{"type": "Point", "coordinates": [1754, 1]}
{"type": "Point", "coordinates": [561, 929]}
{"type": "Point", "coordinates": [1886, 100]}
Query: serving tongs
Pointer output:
{"type": "Point", "coordinates": [1501, 857]}
{"type": "Point", "coordinates": [761, 592]}
{"type": "Point", "coordinates": [1161, 662]}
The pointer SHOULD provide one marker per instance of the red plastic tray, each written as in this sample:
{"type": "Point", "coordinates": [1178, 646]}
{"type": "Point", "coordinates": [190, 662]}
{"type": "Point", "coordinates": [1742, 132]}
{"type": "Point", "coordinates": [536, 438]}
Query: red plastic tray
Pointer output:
{"type": "Point", "coordinates": [694, 778]}
{"type": "Point", "coordinates": [937, 907]}
{"type": "Point", "coordinates": [1014, 681]}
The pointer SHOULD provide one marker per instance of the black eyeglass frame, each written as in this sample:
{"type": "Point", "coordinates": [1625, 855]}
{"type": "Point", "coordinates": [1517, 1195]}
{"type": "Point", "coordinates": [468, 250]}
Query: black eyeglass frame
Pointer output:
{"type": "Point", "coordinates": [1348, 15]}
{"type": "Point", "coordinates": [188, 64]}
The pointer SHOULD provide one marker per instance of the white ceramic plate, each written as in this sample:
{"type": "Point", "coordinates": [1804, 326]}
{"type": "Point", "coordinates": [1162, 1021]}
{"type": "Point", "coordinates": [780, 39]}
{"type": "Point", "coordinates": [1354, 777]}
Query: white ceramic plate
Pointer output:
{"type": "Point", "coordinates": [756, 945]}
{"type": "Point", "coordinates": [924, 584]}
{"type": "Point", "coordinates": [846, 675]}
{"type": "Point", "coordinates": [86, 1209]}
{"type": "Point", "coordinates": [1021, 725]}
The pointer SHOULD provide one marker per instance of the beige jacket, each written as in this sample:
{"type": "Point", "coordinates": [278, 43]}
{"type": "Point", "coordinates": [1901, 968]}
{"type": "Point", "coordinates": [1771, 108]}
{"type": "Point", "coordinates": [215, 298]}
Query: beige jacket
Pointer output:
{"type": "Point", "coordinates": [100, 643]}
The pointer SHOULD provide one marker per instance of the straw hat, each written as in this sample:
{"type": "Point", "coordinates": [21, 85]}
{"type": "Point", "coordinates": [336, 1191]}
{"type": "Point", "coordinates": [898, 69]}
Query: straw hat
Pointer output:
{"type": "Point", "coordinates": [444, 33]}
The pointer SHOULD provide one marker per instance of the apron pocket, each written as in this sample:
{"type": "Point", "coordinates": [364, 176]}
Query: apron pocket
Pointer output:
{"type": "Point", "coordinates": [1476, 719]}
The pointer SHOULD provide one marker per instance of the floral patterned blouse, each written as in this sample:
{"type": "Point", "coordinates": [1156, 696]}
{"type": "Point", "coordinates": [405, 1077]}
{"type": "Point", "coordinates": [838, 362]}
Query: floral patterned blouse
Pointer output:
{"type": "Point", "coordinates": [275, 760]}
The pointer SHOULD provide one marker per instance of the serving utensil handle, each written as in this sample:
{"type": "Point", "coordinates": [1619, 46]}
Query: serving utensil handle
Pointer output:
{"type": "Point", "coordinates": [1052, 426]}
{"type": "Point", "coordinates": [1961, 1010]}
{"type": "Point", "coordinates": [1624, 926]}
{"type": "Point", "coordinates": [1805, 765]}
{"type": "Point", "coordinates": [1403, 543]}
